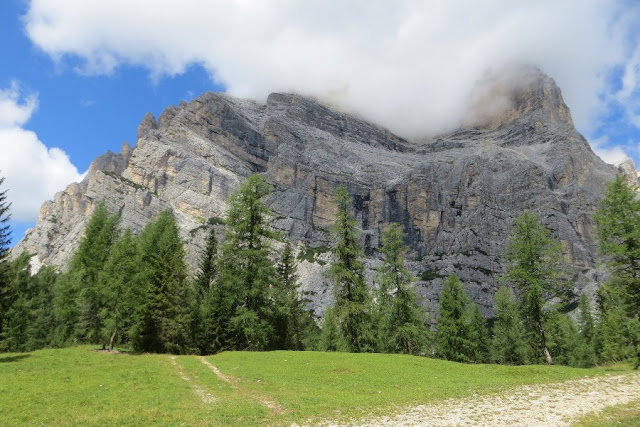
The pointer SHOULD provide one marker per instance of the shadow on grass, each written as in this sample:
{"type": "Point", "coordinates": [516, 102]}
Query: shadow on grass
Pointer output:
{"type": "Point", "coordinates": [8, 359]}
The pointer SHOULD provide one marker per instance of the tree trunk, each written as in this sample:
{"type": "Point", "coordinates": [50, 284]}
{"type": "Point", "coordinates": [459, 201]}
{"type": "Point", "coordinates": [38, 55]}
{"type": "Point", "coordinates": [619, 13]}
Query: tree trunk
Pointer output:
{"type": "Point", "coordinates": [543, 342]}
{"type": "Point", "coordinates": [113, 338]}
{"type": "Point", "coordinates": [409, 348]}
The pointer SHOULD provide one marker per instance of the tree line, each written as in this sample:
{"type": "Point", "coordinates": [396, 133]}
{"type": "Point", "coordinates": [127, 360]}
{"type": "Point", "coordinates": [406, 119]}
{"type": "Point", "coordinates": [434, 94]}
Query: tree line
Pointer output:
{"type": "Point", "coordinates": [134, 290]}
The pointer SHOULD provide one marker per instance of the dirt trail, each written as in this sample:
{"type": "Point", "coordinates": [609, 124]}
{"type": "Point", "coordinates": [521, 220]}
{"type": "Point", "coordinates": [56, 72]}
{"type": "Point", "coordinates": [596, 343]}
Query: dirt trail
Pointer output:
{"type": "Point", "coordinates": [203, 393]}
{"type": "Point", "coordinates": [233, 382]}
{"type": "Point", "coordinates": [558, 404]}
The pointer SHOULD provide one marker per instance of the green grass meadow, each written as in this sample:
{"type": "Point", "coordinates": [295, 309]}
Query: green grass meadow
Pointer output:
{"type": "Point", "coordinates": [79, 386]}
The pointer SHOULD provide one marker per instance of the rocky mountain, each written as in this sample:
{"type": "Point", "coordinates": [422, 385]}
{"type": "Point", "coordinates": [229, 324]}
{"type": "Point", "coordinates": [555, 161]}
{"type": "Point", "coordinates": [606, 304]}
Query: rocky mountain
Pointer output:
{"type": "Point", "coordinates": [456, 195]}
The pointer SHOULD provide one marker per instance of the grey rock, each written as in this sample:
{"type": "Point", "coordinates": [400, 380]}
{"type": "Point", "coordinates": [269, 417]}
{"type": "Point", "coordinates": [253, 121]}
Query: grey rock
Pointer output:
{"type": "Point", "coordinates": [457, 195]}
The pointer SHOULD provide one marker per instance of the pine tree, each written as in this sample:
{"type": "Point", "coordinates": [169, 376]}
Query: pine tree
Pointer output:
{"type": "Point", "coordinates": [65, 308]}
{"type": "Point", "coordinates": [585, 354]}
{"type": "Point", "coordinates": [615, 329]}
{"type": "Point", "coordinates": [117, 283]}
{"type": "Point", "coordinates": [353, 302]}
{"type": "Point", "coordinates": [5, 216]}
{"type": "Point", "coordinates": [533, 258]}
{"type": "Point", "coordinates": [29, 315]}
{"type": "Point", "coordinates": [400, 319]}
{"type": "Point", "coordinates": [243, 312]}
{"type": "Point", "coordinates": [208, 268]}
{"type": "Point", "coordinates": [478, 335]}
{"type": "Point", "coordinates": [5, 241]}
{"type": "Point", "coordinates": [564, 339]}
{"type": "Point", "coordinates": [17, 297]}
{"type": "Point", "coordinates": [453, 336]}
{"type": "Point", "coordinates": [161, 322]}
{"type": "Point", "coordinates": [86, 264]}
{"type": "Point", "coordinates": [331, 338]}
{"type": "Point", "coordinates": [293, 319]}
{"type": "Point", "coordinates": [42, 321]}
{"type": "Point", "coordinates": [508, 345]}
{"type": "Point", "coordinates": [618, 220]}
{"type": "Point", "coordinates": [202, 336]}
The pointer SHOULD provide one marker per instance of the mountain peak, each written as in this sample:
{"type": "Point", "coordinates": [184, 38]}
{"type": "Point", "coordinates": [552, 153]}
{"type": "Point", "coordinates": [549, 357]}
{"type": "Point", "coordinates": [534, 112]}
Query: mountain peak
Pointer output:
{"type": "Point", "coordinates": [513, 92]}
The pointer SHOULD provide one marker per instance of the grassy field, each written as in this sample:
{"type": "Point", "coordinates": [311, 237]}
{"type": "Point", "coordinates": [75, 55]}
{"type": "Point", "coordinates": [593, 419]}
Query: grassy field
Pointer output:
{"type": "Point", "coordinates": [620, 416]}
{"type": "Point", "coordinates": [82, 386]}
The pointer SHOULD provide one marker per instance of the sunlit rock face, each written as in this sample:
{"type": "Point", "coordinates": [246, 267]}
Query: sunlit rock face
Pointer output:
{"type": "Point", "coordinates": [456, 195]}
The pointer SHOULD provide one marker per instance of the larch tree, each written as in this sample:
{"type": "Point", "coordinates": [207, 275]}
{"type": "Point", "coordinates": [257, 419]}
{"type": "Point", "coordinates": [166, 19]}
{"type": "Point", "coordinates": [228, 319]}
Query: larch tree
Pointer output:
{"type": "Point", "coordinates": [162, 319]}
{"type": "Point", "coordinates": [203, 283]}
{"type": "Point", "coordinates": [533, 266]}
{"type": "Point", "coordinates": [586, 350]}
{"type": "Point", "coordinates": [400, 318]}
{"type": "Point", "coordinates": [352, 299]}
{"type": "Point", "coordinates": [86, 264]}
{"type": "Point", "coordinates": [117, 283]}
{"type": "Point", "coordinates": [453, 335]}
{"type": "Point", "coordinates": [564, 338]}
{"type": "Point", "coordinates": [618, 220]}
{"type": "Point", "coordinates": [29, 317]}
{"type": "Point", "coordinates": [292, 317]}
{"type": "Point", "coordinates": [5, 216]}
{"type": "Point", "coordinates": [208, 267]}
{"type": "Point", "coordinates": [479, 339]}
{"type": "Point", "coordinates": [614, 335]}
{"type": "Point", "coordinates": [508, 345]}
{"type": "Point", "coordinates": [5, 241]}
{"type": "Point", "coordinates": [243, 312]}
{"type": "Point", "coordinates": [17, 299]}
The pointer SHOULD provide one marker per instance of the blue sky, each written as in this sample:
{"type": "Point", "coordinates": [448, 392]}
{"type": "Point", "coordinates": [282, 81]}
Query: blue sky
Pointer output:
{"type": "Point", "coordinates": [77, 76]}
{"type": "Point", "coordinates": [83, 115]}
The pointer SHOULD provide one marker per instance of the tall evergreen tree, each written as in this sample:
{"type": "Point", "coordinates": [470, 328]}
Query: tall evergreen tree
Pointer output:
{"type": "Point", "coordinates": [29, 316]}
{"type": "Point", "coordinates": [42, 321]}
{"type": "Point", "coordinates": [5, 216]}
{"type": "Point", "coordinates": [86, 264]}
{"type": "Point", "coordinates": [453, 341]}
{"type": "Point", "coordinates": [400, 318]}
{"type": "Point", "coordinates": [204, 281]}
{"type": "Point", "coordinates": [585, 353]}
{"type": "Point", "coordinates": [117, 284]}
{"type": "Point", "coordinates": [161, 322]}
{"type": "Point", "coordinates": [292, 316]}
{"type": "Point", "coordinates": [508, 344]}
{"type": "Point", "coordinates": [618, 220]}
{"type": "Point", "coordinates": [5, 241]}
{"type": "Point", "coordinates": [353, 302]}
{"type": "Point", "coordinates": [615, 330]}
{"type": "Point", "coordinates": [331, 338]}
{"type": "Point", "coordinates": [17, 298]}
{"type": "Point", "coordinates": [478, 335]}
{"type": "Point", "coordinates": [208, 268]}
{"type": "Point", "coordinates": [533, 265]}
{"type": "Point", "coordinates": [243, 309]}
{"type": "Point", "coordinates": [564, 339]}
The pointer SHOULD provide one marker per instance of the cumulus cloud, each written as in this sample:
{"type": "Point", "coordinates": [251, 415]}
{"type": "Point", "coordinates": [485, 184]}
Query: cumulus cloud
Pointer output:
{"type": "Point", "coordinates": [33, 172]}
{"type": "Point", "coordinates": [406, 64]}
{"type": "Point", "coordinates": [613, 155]}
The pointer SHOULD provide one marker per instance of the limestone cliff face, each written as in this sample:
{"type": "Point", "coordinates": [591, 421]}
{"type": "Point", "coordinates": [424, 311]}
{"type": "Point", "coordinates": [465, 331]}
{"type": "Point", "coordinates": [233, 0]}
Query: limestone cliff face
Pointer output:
{"type": "Point", "coordinates": [456, 195]}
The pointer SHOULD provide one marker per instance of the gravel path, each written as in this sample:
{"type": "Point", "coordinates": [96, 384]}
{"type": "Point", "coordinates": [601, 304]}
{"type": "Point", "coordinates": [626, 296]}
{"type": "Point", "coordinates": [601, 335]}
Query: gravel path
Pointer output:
{"type": "Point", "coordinates": [558, 404]}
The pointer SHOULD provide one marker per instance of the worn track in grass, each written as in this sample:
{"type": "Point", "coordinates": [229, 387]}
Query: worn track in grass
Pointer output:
{"type": "Point", "coordinates": [555, 404]}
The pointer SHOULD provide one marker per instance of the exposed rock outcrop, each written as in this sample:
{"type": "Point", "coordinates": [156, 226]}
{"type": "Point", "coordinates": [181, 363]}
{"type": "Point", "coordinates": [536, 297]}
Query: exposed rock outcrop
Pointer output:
{"type": "Point", "coordinates": [456, 195]}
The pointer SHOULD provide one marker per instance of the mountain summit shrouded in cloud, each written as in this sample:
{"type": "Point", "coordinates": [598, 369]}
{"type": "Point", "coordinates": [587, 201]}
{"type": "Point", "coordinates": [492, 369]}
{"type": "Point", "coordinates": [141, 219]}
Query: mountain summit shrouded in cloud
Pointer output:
{"type": "Point", "coordinates": [411, 66]}
{"type": "Point", "coordinates": [407, 65]}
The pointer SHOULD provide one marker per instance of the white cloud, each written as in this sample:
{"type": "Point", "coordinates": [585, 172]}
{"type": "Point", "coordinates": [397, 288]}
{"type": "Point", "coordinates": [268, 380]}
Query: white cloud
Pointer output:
{"type": "Point", "coordinates": [406, 64]}
{"type": "Point", "coordinates": [612, 155]}
{"type": "Point", "coordinates": [12, 113]}
{"type": "Point", "coordinates": [33, 172]}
